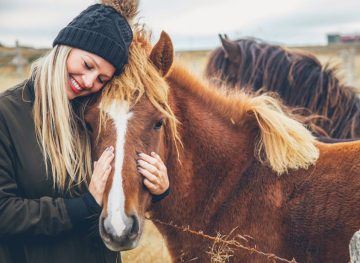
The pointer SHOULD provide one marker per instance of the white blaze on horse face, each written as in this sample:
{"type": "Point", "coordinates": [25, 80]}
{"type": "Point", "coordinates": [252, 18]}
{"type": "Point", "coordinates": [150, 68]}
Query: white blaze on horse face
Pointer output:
{"type": "Point", "coordinates": [116, 221]}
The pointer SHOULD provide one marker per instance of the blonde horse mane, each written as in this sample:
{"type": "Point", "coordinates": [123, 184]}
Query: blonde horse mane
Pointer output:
{"type": "Point", "coordinates": [287, 144]}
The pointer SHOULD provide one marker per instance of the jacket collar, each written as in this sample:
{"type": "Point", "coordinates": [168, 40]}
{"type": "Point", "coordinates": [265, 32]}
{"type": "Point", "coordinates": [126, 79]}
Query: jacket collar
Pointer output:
{"type": "Point", "coordinates": [28, 93]}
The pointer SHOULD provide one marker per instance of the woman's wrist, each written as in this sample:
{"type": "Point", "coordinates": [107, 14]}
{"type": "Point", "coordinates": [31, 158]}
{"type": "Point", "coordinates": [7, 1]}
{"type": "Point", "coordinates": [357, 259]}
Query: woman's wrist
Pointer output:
{"type": "Point", "coordinates": [91, 203]}
{"type": "Point", "coordinates": [77, 210]}
{"type": "Point", "coordinates": [81, 208]}
{"type": "Point", "coordinates": [157, 198]}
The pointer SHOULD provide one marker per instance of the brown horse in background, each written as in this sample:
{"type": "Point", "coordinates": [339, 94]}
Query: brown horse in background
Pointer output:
{"type": "Point", "coordinates": [298, 77]}
{"type": "Point", "coordinates": [233, 162]}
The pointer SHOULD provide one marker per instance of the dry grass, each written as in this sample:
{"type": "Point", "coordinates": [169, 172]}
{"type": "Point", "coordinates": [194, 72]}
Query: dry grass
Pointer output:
{"type": "Point", "coordinates": [221, 252]}
{"type": "Point", "coordinates": [152, 248]}
{"type": "Point", "coordinates": [223, 246]}
{"type": "Point", "coordinates": [9, 77]}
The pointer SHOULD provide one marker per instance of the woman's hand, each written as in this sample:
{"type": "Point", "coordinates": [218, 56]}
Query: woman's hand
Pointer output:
{"type": "Point", "coordinates": [102, 169]}
{"type": "Point", "coordinates": [154, 171]}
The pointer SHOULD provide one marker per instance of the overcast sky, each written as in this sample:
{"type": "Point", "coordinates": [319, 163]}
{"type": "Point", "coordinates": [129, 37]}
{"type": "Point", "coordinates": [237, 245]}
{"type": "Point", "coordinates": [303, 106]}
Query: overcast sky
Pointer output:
{"type": "Point", "coordinates": [193, 23]}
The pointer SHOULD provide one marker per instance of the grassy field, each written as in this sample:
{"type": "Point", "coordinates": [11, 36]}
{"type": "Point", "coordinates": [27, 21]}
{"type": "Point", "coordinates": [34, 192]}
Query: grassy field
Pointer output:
{"type": "Point", "coordinates": [9, 78]}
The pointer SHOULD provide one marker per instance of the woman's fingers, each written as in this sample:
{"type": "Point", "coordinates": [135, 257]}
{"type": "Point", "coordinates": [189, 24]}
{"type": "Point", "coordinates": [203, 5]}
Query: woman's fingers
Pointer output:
{"type": "Point", "coordinates": [151, 168]}
{"type": "Point", "coordinates": [154, 171]}
{"type": "Point", "coordinates": [151, 160]}
{"type": "Point", "coordinates": [152, 187]}
{"type": "Point", "coordinates": [160, 163]}
{"type": "Point", "coordinates": [106, 158]}
{"type": "Point", "coordinates": [109, 151]}
{"type": "Point", "coordinates": [151, 177]}
{"type": "Point", "coordinates": [106, 173]}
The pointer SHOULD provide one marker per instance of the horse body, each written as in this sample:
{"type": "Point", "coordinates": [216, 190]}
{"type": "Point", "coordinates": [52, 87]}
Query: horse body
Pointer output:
{"type": "Point", "coordinates": [226, 176]}
{"type": "Point", "coordinates": [309, 215]}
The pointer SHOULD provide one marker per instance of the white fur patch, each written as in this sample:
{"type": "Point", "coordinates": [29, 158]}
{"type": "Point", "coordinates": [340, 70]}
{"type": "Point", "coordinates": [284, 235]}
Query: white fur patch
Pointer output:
{"type": "Point", "coordinates": [116, 220]}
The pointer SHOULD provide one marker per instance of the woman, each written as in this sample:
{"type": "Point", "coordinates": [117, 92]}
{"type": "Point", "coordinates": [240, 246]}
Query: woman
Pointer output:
{"type": "Point", "coordinates": [46, 213]}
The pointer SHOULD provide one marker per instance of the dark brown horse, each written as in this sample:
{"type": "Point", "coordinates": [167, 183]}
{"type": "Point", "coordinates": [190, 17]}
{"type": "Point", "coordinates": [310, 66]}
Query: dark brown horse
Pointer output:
{"type": "Point", "coordinates": [298, 77]}
{"type": "Point", "coordinates": [233, 162]}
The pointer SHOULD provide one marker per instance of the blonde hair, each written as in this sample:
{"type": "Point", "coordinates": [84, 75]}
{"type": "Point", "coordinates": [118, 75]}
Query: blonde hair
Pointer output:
{"type": "Point", "coordinates": [63, 142]}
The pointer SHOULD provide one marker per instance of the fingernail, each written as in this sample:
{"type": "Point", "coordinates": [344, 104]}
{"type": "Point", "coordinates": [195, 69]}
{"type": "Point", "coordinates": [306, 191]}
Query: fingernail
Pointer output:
{"type": "Point", "coordinates": [107, 148]}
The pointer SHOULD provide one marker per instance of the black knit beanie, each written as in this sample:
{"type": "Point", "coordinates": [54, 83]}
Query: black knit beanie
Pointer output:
{"type": "Point", "coordinates": [100, 30]}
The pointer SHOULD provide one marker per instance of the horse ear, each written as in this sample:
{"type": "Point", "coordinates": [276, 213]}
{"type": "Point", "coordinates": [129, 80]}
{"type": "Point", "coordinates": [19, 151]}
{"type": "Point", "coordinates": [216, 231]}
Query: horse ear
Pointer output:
{"type": "Point", "coordinates": [230, 48]}
{"type": "Point", "coordinates": [162, 54]}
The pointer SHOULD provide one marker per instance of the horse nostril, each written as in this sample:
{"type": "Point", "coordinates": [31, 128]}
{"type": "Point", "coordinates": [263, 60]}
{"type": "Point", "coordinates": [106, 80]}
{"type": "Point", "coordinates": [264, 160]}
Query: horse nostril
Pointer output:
{"type": "Point", "coordinates": [135, 227]}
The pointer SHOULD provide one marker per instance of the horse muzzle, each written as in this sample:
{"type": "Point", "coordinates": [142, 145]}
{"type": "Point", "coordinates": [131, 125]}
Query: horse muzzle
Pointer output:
{"type": "Point", "coordinates": [120, 233]}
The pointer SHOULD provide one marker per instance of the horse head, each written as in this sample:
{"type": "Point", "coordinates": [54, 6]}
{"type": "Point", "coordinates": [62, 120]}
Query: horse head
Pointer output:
{"type": "Point", "coordinates": [132, 123]}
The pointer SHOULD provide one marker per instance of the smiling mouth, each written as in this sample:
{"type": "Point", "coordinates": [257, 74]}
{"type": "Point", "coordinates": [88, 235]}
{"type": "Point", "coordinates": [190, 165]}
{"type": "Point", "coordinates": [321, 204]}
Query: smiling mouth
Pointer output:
{"type": "Point", "coordinates": [75, 87]}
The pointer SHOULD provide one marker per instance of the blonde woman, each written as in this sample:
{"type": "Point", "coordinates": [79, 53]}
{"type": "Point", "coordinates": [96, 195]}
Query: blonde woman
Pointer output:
{"type": "Point", "coordinates": [46, 213]}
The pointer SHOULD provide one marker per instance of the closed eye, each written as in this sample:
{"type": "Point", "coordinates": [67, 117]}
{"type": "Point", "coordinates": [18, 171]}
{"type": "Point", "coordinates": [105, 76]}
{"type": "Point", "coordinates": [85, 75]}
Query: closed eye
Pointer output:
{"type": "Point", "coordinates": [87, 66]}
{"type": "Point", "coordinates": [101, 80]}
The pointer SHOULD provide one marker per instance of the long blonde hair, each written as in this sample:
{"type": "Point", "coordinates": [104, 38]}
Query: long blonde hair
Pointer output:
{"type": "Point", "coordinates": [60, 132]}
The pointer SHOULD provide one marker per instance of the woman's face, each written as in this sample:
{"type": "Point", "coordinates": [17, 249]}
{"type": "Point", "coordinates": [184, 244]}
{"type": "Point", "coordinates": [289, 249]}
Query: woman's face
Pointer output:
{"type": "Point", "coordinates": [88, 73]}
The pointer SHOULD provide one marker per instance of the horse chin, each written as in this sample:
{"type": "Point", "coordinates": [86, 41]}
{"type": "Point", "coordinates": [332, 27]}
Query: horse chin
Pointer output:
{"type": "Point", "coordinates": [121, 247]}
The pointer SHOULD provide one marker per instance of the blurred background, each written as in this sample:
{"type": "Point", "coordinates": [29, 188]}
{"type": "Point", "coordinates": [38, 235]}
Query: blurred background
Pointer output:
{"type": "Point", "coordinates": [324, 27]}
{"type": "Point", "coordinates": [327, 28]}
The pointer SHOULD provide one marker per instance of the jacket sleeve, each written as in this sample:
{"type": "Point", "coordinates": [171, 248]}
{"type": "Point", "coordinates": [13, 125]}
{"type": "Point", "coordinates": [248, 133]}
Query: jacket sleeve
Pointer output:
{"type": "Point", "coordinates": [44, 216]}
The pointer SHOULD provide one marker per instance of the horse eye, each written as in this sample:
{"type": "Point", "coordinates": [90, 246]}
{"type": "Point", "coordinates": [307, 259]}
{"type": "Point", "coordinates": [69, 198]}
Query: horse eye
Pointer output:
{"type": "Point", "coordinates": [159, 124]}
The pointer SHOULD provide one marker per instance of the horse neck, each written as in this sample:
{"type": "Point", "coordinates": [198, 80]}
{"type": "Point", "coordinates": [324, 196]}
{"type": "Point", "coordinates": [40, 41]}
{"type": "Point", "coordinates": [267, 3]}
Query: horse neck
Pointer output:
{"type": "Point", "coordinates": [214, 154]}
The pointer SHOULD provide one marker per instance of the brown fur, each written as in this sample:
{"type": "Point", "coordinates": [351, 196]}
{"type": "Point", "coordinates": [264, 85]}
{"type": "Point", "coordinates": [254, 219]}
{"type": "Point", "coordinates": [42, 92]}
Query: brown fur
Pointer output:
{"type": "Point", "coordinates": [298, 77]}
{"type": "Point", "coordinates": [219, 184]}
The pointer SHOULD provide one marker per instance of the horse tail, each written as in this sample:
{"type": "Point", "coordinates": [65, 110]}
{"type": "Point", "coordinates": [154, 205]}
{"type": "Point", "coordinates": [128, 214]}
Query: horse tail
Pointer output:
{"type": "Point", "coordinates": [284, 143]}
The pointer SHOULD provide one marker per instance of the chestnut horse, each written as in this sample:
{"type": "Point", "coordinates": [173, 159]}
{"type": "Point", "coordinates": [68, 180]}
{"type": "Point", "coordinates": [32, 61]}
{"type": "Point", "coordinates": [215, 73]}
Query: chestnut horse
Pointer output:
{"type": "Point", "coordinates": [236, 162]}
{"type": "Point", "coordinates": [297, 76]}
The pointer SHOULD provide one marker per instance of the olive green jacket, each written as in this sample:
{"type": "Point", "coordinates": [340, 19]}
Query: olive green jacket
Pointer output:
{"type": "Point", "coordinates": [37, 223]}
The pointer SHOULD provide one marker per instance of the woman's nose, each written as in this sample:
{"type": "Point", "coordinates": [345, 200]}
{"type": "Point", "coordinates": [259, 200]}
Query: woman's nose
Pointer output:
{"type": "Point", "coordinates": [89, 80]}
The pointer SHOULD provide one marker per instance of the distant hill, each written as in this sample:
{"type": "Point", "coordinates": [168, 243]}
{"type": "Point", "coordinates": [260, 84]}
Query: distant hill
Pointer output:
{"type": "Point", "coordinates": [30, 54]}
